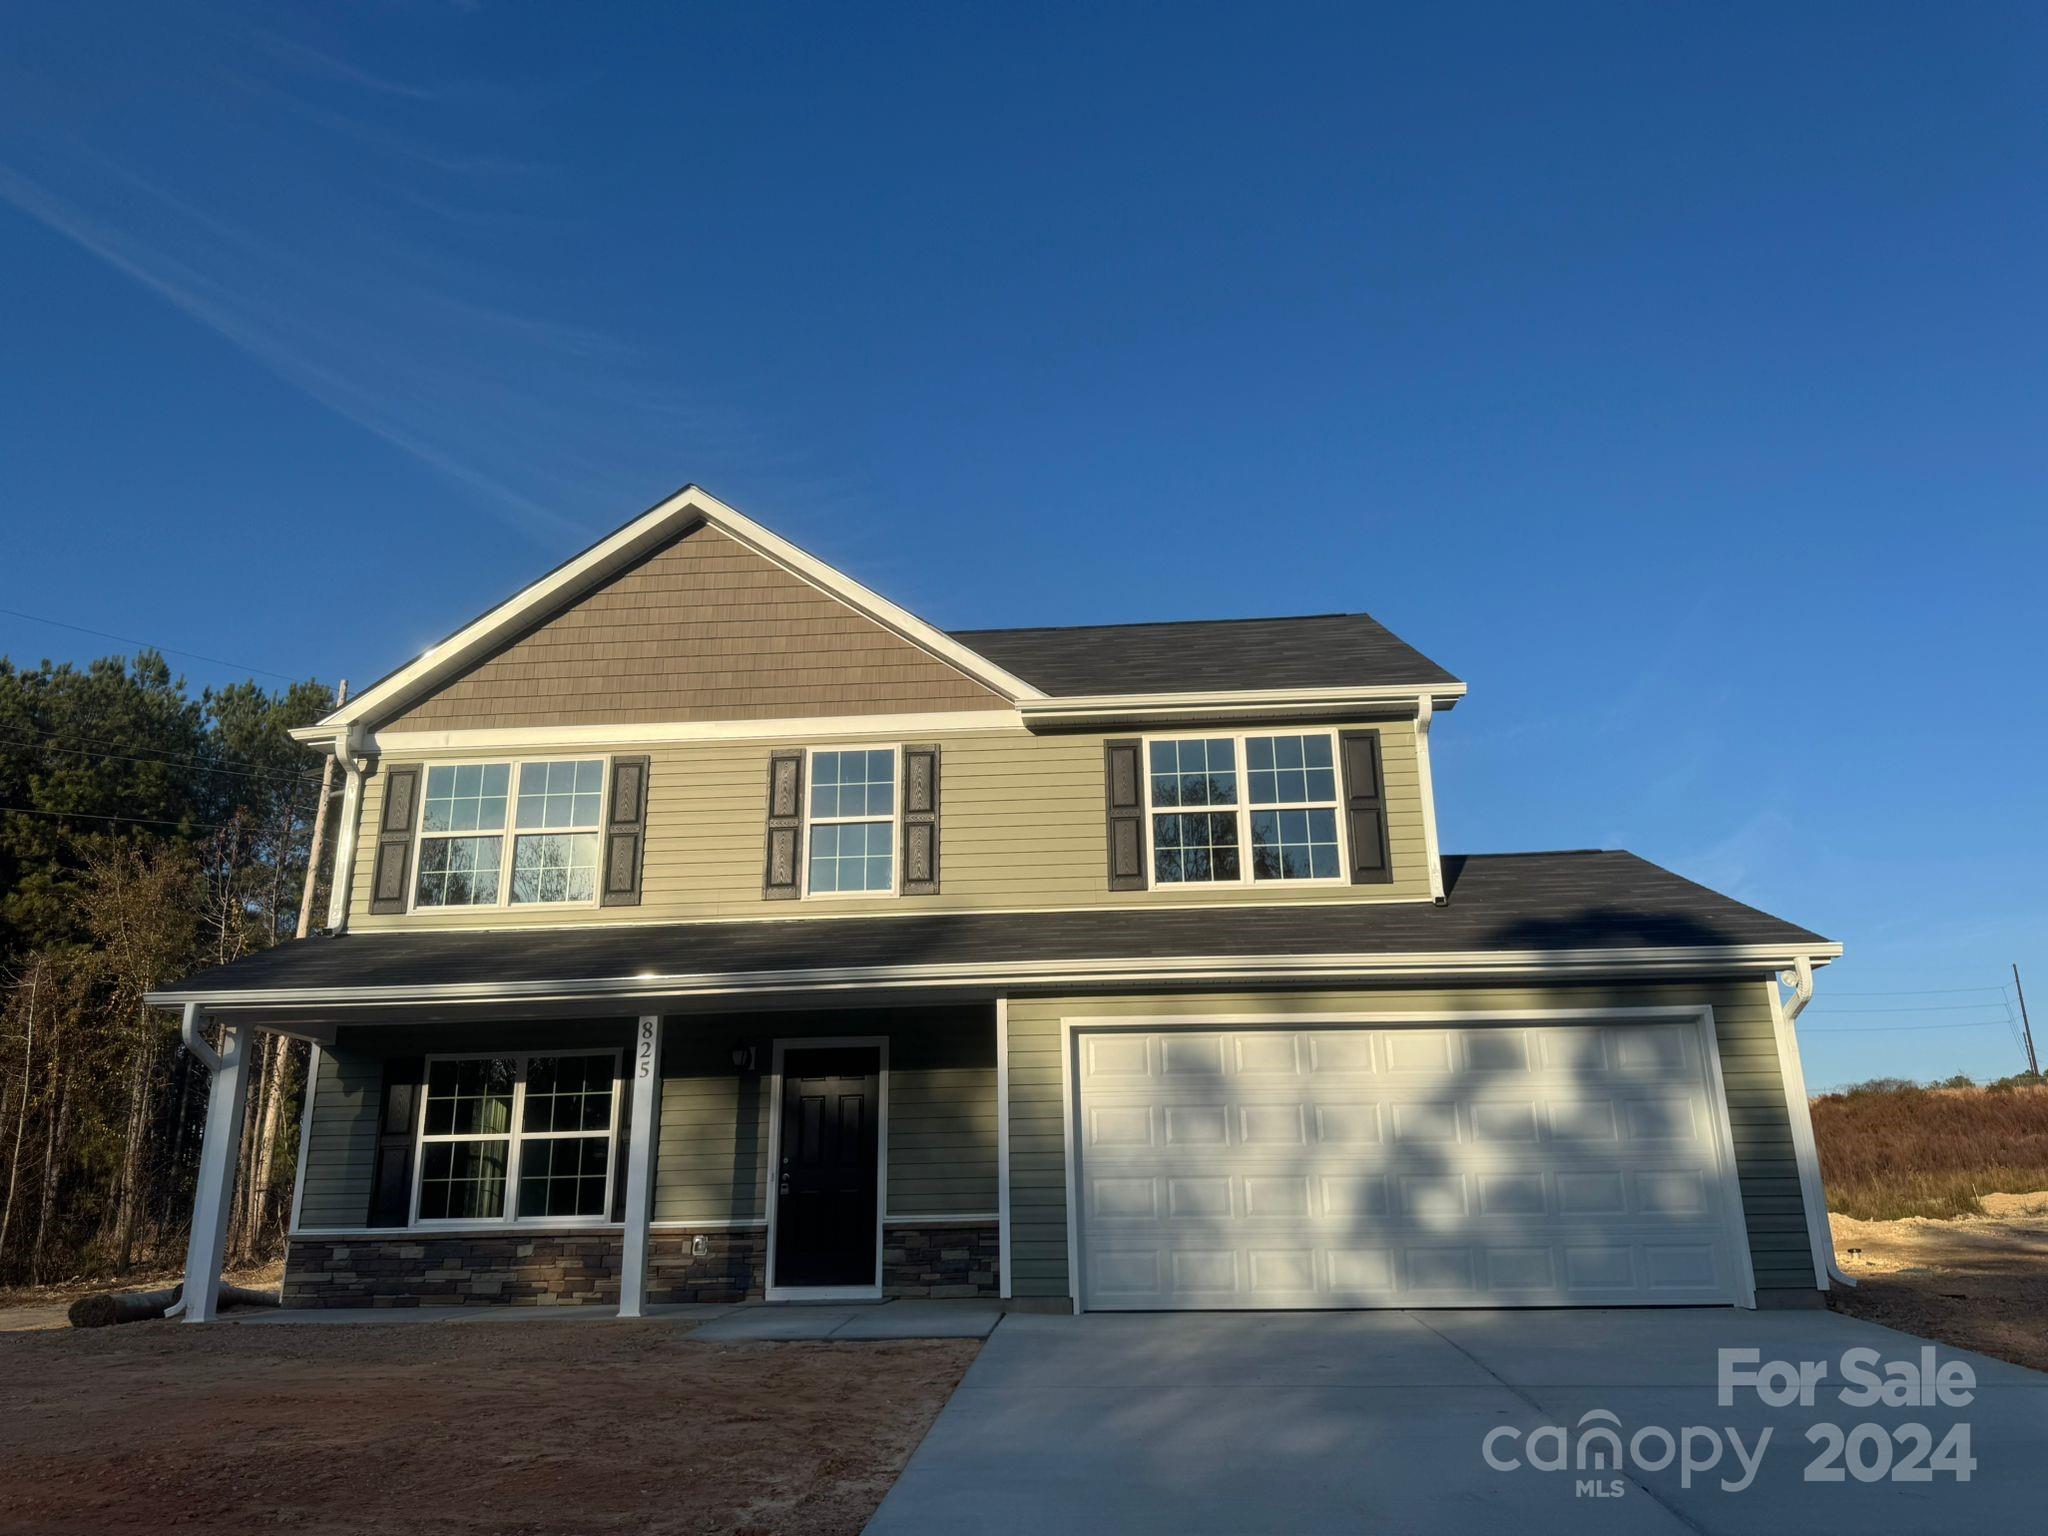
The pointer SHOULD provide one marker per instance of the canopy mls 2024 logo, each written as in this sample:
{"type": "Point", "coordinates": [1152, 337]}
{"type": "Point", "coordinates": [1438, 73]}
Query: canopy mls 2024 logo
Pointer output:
{"type": "Point", "coordinates": [1601, 1453]}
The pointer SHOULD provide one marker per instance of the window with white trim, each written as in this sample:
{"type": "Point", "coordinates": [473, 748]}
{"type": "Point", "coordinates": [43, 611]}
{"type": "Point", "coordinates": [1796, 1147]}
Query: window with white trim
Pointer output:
{"type": "Point", "coordinates": [850, 828]}
{"type": "Point", "coordinates": [1291, 784]}
{"type": "Point", "coordinates": [1193, 787]}
{"type": "Point", "coordinates": [1205, 813]}
{"type": "Point", "coordinates": [523, 1137]}
{"type": "Point", "coordinates": [466, 858]}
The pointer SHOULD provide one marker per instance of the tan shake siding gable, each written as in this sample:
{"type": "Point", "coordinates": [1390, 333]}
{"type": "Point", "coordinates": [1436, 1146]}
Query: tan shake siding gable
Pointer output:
{"type": "Point", "coordinates": [1021, 824]}
{"type": "Point", "coordinates": [702, 629]}
{"type": "Point", "coordinates": [1764, 1155]}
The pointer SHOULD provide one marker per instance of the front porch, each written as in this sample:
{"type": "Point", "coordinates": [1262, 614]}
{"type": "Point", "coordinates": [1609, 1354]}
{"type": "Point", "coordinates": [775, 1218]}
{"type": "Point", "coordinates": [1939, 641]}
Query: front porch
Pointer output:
{"type": "Point", "coordinates": [625, 1164]}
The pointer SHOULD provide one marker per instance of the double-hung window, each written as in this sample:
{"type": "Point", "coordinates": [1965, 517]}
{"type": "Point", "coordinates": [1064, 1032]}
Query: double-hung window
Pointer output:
{"type": "Point", "coordinates": [852, 822]}
{"type": "Point", "coordinates": [469, 857]}
{"type": "Point", "coordinates": [1227, 810]}
{"type": "Point", "coordinates": [518, 1137]}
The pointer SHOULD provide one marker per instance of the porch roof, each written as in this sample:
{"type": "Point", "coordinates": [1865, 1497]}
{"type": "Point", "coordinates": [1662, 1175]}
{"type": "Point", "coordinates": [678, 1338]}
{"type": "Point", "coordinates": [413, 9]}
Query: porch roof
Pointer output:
{"type": "Point", "coordinates": [1588, 913]}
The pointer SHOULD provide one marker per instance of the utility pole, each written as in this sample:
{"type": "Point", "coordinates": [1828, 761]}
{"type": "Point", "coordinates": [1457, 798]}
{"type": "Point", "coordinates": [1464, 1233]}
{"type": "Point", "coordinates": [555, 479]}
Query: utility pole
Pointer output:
{"type": "Point", "coordinates": [274, 1050]}
{"type": "Point", "coordinates": [319, 827]}
{"type": "Point", "coordinates": [2033, 1065]}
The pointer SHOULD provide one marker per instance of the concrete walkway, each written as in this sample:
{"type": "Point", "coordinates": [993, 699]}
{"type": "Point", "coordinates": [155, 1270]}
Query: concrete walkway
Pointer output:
{"type": "Point", "coordinates": [1374, 1421]}
{"type": "Point", "coordinates": [717, 1322]}
{"type": "Point", "coordinates": [860, 1320]}
{"type": "Point", "coordinates": [377, 1317]}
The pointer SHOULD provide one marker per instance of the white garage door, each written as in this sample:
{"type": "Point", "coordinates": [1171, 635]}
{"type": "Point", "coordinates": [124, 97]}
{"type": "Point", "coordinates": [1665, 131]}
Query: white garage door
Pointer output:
{"type": "Point", "coordinates": [1532, 1164]}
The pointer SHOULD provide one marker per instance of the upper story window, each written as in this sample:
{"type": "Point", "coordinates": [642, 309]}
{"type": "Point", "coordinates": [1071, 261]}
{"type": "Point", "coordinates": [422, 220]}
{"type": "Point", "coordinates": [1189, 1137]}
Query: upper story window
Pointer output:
{"type": "Point", "coordinates": [1224, 810]}
{"type": "Point", "coordinates": [852, 822]}
{"type": "Point", "coordinates": [468, 857]}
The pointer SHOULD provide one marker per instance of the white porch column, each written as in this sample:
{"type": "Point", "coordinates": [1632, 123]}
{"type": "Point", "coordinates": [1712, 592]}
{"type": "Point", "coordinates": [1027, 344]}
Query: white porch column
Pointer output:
{"type": "Point", "coordinates": [219, 1150]}
{"type": "Point", "coordinates": [640, 1166]}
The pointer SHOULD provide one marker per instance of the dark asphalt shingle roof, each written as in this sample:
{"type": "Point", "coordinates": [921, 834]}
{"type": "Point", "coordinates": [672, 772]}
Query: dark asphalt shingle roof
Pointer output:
{"type": "Point", "coordinates": [1538, 901]}
{"type": "Point", "coordinates": [1329, 650]}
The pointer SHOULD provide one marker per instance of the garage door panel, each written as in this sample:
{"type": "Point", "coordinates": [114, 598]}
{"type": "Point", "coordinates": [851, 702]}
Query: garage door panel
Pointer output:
{"type": "Point", "coordinates": [1324, 1167]}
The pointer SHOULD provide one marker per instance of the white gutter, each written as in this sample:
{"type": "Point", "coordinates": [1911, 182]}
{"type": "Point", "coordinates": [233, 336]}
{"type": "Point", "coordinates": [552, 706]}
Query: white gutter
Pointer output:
{"type": "Point", "coordinates": [1785, 1012]}
{"type": "Point", "coordinates": [1152, 968]}
{"type": "Point", "coordinates": [1081, 709]}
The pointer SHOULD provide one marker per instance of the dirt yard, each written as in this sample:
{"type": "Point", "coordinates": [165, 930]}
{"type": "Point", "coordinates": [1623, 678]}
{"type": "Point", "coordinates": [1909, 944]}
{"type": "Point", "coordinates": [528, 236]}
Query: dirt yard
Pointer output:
{"type": "Point", "coordinates": [1978, 1282]}
{"type": "Point", "coordinates": [558, 1427]}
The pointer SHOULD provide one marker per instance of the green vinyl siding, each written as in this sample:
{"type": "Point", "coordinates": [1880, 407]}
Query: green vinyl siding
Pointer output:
{"type": "Point", "coordinates": [341, 1147]}
{"type": "Point", "coordinates": [711, 1153]}
{"type": "Point", "coordinates": [1766, 1169]}
{"type": "Point", "coordinates": [1020, 827]}
{"type": "Point", "coordinates": [341, 1143]}
{"type": "Point", "coordinates": [712, 1162]}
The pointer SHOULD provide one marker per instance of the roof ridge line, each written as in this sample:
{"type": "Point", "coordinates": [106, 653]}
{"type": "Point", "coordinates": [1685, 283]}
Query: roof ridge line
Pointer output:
{"type": "Point", "coordinates": [1255, 618]}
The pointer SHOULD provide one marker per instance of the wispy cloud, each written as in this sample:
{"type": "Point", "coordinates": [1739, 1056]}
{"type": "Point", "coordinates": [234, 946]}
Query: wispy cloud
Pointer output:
{"type": "Point", "coordinates": [304, 55]}
{"type": "Point", "coordinates": [238, 320]}
{"type": "Point", "coordinates": [274, 224]}
{"type": "Point", "coordinates": [1737, 861]}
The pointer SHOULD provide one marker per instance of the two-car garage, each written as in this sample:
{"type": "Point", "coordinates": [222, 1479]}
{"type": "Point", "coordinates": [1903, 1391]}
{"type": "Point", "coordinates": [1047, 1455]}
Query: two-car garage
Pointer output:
{"type": "Point", "coordinates": [1477, 1162]}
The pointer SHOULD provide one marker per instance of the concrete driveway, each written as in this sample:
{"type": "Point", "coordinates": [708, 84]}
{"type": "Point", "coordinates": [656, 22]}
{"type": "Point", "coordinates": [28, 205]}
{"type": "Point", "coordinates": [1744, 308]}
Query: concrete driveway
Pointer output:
{"type": "Point", "coordinates": [1374, 1421]}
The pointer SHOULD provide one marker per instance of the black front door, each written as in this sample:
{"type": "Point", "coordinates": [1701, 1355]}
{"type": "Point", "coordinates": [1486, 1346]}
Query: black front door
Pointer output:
{"type": "Point", "coordinates": [825, 1194]}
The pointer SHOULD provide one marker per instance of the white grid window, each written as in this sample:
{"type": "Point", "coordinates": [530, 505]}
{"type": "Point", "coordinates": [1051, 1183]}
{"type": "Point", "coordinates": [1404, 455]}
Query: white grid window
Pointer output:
{"type": "Point", "coordinates": [1291, 782]}
{"type": "Point", "coordinates": [1198, 844]}
{"type": "Point", "coordinates": [1210, 800]}
{"type": "Point", "coordinates": [462, 871]}
{"type": "Point", "coordinates": [465, 857]}
{"type": "Point", "coordinates": [518, 1137]}
{"type": "Point", "coordinates": [852, 822]}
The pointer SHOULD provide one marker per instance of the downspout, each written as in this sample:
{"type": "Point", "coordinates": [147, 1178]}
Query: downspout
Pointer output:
{"type": "Point", "coordinates": [1806, 1149]}
{"type": "Point", "coordinates": [195, 1042]}
{"type": "Point", "coordinates": [1425, 714]}
{"type": "Point", "coordinates": [353, 762]}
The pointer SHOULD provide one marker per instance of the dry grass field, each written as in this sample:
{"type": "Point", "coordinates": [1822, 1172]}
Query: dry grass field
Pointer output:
{"type": "Point", "coordinates": [1894, 1150]}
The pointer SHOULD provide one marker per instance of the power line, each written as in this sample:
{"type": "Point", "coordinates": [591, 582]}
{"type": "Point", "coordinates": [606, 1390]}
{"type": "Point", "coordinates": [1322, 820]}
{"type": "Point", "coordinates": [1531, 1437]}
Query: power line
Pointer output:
{"type": "Point", "coordinates": [169, 650]}
{"type": "Point", "coordinates": [1917, 992]}
{"type": "Point", "coordinates": [1911, 1008]}
{"type": "Point", "coordinates": [1880, 1029]}
{"type": "Point", "coordinates": [191, 764]}
{"type": "Point", "coordinates": [140, 821]}
{"type": "Point", "coordinates": [168, 754]}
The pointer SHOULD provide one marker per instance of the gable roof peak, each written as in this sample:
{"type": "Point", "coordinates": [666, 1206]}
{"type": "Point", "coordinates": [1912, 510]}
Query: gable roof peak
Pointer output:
{"type": "Point", "coordinates": [667, 519]}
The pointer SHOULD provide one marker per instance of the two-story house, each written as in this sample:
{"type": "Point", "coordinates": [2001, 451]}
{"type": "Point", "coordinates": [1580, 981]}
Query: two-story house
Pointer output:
{"type": "Point", "coordinates": [707, 926]}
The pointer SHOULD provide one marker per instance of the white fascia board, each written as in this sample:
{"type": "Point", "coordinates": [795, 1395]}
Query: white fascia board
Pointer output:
{"type": "Point", "coordinates": [469, 645]}
{"type": "Point", "coordinates": [805, 728]}
{"type": "Point", "coordinates": [1040, 973]}
{"type": "Point", "coordinates": [1080, 709]}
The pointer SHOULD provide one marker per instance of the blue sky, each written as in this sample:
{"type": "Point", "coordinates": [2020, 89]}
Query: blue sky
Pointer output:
{"type": "Point", "coordinates": [1672, 373]}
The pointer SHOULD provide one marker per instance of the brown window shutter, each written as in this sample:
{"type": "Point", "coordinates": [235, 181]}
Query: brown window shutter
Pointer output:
{"type": "Point", "coordinates": [397, 1119]}
{"type": "Point", "coordinates": [920, 821]}
{"type": "Point", "coordinates": [1123, 769]}
{"type": "Point", "coordinates": [785, 825]}
{"type": "Point", "coordinates": [1366, 807]}
{"type": "Point", "coordinates": [390, 875]}
{"type": "Point", "coordinates": [625, 832]}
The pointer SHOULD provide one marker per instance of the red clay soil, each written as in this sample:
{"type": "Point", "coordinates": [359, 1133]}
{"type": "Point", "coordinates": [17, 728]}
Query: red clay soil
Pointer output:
{"type": "Point", "coordinates": [480, 1427]}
